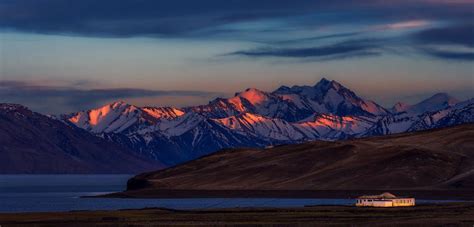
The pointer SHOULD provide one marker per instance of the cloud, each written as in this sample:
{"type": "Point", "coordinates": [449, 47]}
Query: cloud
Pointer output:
{"type": "Point", "coordinates": [277, 23]}
{"type": "Point", "coordinates": [404, 25]}
{"type": "Point", "coordinates": [317, 38]}
{"type": "Point", "coordinates": [450, 55]}
{"type": "Point", "coordinates": [347, 49]}
{"type": "Point", "coordinates": [454, 42]}
{"type": "Point", "coordinates": [62, 99]}
{"type": "Point", "coordinates": [459, 34]}
{"type": "Point", "coordinates": [450, 2]}
{"type": "Point", "coordinates": [128, 18]}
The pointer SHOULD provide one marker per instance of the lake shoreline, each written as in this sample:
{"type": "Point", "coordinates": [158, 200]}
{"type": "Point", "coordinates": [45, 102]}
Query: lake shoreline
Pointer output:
{"type": "Point", "coordinates": [426, 215]}
{"type": "Point", "coordinates": [319, 194]}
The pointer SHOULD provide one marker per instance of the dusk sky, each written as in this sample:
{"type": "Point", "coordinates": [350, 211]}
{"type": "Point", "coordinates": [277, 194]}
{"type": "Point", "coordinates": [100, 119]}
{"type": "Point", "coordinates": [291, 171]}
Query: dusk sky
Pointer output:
{"type": "Point", "coordinates": [60, 56]}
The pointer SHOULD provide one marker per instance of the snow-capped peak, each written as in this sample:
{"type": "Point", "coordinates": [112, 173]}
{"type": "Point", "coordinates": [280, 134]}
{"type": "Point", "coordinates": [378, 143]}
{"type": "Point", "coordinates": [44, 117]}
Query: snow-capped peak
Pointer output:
{"type": "Point", "coordinates": [400, 107]}
{"type": "Point", "coordinates": [107, 112]}
{"type": "Point", "coordinates": [118, 104]}
{"type": "Point", "coordinates": [329, 97]}
{"type": "Point", "coordinates": [119, 116]}
{"type": "Point", "coordinates": [325, 84]}
{"type": "Point", "coordinates": [441, 98]}
{"type": "Point", "coordinates": [434, 103]}
{"type": "Point", "coordinates": [113, 117]}
{"type": "Point", "coordinates": [163, 112]}
{"type": "Point", "coordinates": [254, 96]}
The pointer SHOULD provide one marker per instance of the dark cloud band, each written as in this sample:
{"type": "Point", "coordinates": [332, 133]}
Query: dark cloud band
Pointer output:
{"type": "Point", "coordinates": [446, 42]}
{"type": "Point", "coordinates": [347, 49]}
{"type": "Point", "coordinates": [462, 34]}
{"type": "Point", "coordinates": [63, 99]}
{"type": "Point", "coordinates": [450, 55]}
{"type": "Point", "coordinates": [126, 18]}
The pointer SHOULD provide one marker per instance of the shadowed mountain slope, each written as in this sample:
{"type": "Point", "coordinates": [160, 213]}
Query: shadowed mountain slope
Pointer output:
{"type": "Point", "coordinates": [34, 143]}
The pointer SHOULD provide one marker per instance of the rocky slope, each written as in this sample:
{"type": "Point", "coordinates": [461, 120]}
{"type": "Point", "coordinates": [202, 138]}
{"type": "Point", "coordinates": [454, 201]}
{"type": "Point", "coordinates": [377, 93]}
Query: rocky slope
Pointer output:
{"type": "Point", "coordinates": [435, 159]}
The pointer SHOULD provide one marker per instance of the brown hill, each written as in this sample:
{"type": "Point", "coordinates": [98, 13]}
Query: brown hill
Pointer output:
{"type": "Point", "coordinates": [34, 143]}
{"type": "Point", "coordinates": [436, 159]}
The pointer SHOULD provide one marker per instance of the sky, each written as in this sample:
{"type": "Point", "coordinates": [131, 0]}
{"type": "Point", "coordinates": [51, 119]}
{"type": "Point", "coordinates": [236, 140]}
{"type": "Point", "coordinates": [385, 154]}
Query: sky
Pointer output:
{"type": "Point", "coordinates": [60, 56]}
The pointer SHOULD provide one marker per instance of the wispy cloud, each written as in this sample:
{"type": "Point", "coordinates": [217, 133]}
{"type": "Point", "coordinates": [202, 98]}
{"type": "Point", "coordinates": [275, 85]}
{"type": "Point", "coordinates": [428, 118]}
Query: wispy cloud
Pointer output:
{"type": "Point", "coordinates": [318, 38]}
{"type": "Point", "coordinates": [346, 49]}
{"type": "Point", "coordinates": [404, 25]}
{"type": "Point", "coordinates": [450, 42]}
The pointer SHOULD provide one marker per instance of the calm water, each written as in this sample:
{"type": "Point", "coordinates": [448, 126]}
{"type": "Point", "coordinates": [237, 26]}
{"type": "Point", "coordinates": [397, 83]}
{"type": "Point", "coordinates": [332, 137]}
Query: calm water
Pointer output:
{"type": "Point", "coordinates": [28, 193]}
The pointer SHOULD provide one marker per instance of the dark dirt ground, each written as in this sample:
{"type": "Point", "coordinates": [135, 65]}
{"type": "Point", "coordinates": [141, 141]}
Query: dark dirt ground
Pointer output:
{"type": "Point", "coordinates": [451, 214]}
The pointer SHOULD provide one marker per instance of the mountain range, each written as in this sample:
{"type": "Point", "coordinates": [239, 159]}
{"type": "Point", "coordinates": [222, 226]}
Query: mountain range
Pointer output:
{"type": "Point", "coordinates": [255, 118]}
{"type": "Point", "coordinates": [142, 138]}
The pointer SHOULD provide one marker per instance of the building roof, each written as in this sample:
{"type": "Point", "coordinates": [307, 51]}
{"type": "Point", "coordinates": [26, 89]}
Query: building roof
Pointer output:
{"type": "Point", "coordinates": [385, 195]}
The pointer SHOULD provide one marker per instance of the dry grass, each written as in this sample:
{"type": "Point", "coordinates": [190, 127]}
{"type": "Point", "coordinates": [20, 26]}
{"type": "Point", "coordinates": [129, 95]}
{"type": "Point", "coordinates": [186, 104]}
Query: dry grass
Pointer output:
{"type": "Point", "coordinates": [425, 215]}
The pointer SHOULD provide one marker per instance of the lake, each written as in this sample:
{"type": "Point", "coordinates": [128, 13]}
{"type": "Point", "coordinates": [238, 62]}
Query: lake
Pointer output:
{"type": "Point", "coordinates": [42, 193]}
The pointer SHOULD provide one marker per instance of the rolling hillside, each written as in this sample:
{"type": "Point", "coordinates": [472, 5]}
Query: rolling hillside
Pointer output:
{"type": "Point", "coordinates": [435, 159]}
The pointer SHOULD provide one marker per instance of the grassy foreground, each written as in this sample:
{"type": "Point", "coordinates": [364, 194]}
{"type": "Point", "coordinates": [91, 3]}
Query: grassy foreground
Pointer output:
{"type": "Point", "coordinates": [455, 214]}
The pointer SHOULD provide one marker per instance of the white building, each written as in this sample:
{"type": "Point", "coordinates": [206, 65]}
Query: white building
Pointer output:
{"type": "Point", "coordinates": [384, 200]}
